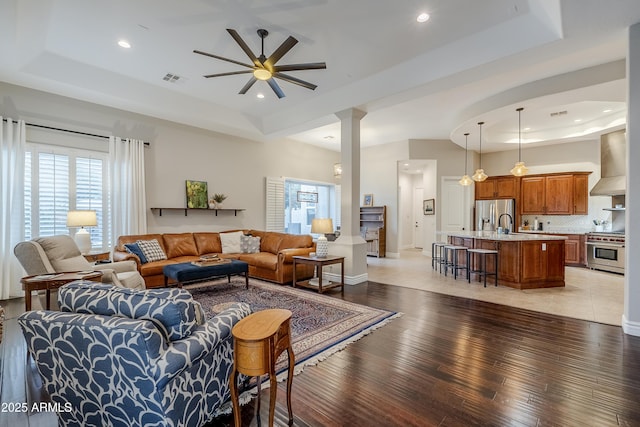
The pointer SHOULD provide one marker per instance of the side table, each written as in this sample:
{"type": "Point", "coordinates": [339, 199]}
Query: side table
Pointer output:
{"type": "Point", "coordinates": [258, 340]}
{"type": "Point", "coordinates": [51, 282]}
{"type": "Point", "coordinates": [319, 263]}
{"type": "Point", "coordinates": [97, 256]}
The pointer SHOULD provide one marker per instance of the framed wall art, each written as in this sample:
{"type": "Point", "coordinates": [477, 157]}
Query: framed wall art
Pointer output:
{"type": "Point", "coordinates": [429, 206]}
{"type": "Point", "coordinates": [367, 200]}
{"type": "Point", "coordinates": [197, 195]}
{"type": "Point", "coordinates": [305, 196]}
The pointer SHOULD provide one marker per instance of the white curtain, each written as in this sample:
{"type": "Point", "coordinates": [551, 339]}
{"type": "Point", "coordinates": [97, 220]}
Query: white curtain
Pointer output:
{"type": "Point", "coordinates": [12, 151]}
{"type": "Point", "coordinates": [128, 196]}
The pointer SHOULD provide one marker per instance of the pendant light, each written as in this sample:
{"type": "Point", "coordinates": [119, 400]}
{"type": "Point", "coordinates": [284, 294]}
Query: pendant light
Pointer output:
{"type": "Point", "coordinates": [519, 169]}
{"type": "Point", "coordinates": [480, 176]}
{"type": "Point", "coordinates": [465, 180]}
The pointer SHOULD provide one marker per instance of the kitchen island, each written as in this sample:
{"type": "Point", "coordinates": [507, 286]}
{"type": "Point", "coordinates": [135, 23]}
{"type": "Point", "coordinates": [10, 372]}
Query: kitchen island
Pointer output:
{"type": "Point", "coordinates": [525, 261]}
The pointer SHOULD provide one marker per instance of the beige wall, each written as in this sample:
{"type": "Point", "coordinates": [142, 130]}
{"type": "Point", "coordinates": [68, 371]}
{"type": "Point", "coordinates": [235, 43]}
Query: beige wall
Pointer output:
{"type": "Point", "coordinates": [234, 166]}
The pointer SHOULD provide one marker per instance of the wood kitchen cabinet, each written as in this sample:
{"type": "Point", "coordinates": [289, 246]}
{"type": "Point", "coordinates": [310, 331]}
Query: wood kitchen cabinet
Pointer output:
{"type": "Point", "coordinates": [581, 194]}
{"type": "Point", "coordinates": [575, 251]}
{"type": "Point", "coordinates": [542, 261]}
{"type": "Point", "coordinates": [497, 187]}
{"type": "Point", "coordinates": [555, 194]}
{"type": "Point", "coordinates": [508, 258]}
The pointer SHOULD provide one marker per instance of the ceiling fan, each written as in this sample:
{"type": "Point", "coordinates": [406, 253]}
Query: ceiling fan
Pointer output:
{"type": "Point", "coordinates": [264, 68]}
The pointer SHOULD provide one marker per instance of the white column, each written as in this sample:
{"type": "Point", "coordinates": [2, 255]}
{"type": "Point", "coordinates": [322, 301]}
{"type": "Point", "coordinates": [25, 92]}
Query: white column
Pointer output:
{"type": "Point", "coordinates": [350, 244]}
{"type": "Point", "coordinates": [631, 315]}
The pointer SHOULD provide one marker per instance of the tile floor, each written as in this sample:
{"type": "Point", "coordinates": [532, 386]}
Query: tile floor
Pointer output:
{"type": "Point", "coordinates": [588, 294]}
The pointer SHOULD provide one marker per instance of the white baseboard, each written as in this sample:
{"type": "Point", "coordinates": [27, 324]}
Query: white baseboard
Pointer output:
{"type": "Point", "coordinates": [629, 327]}
{"type": "Point", "coordinates": [348, 280]}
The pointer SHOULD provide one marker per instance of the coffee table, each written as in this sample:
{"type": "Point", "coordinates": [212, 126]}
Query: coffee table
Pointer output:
{"type": "Point", "coordinates": [51, 282]}
{"type": "Point", "coordinates": [185, 273]}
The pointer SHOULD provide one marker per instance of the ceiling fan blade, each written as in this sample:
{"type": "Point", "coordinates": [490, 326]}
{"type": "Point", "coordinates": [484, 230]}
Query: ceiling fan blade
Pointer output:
{"type": "Point", "coordinates": [222, 58]}
{"type": "Point", "coordinates": [276, 88]}
{"type": "Point", "coordinates": [293, 80]}
{"type": "Point", "coordinates": [296, 67]}
{"type": "Point", "coordinates": [246, 87]}
{"type": "Point", "coordinates": [281, 51]}
{"type": "Point", "coordinates": [231, 73]}
{"type": "Point", "coordinates": [243, 45]}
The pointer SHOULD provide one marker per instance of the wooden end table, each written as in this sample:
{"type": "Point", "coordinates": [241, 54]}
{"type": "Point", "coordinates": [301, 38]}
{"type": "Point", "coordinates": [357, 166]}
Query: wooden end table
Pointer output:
{"type": "Point", "coordinates": [258, 340]}
{"type": "Point", "coordinates": [319, 262]}
{"type": "Point", "coordinates": [51, 282]}
{"type": "Point", "coordinates": [97, 256]}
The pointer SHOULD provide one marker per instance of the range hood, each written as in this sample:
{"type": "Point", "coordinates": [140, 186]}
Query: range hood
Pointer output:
{"type": "Point", "coordinates": [613, 162]}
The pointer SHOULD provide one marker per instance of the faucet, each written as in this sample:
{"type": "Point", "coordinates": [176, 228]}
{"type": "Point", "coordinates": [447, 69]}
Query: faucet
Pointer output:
{"type": "Point", "coordinates": [510, 219]}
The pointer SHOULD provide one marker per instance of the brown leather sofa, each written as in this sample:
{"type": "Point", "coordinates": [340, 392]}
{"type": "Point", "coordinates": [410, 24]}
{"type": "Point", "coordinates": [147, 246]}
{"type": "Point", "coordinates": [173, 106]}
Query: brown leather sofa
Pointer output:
{"type": "Point", "coordinates": [274, 262]}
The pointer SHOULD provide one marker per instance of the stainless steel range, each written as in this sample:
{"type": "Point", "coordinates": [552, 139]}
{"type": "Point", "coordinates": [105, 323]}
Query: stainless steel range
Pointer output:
{"type": "Point", "coordinates": [605, 251]}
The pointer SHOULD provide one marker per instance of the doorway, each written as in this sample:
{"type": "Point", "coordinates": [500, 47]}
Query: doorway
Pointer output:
{"type": "Point", "coordinates": [418, 220]}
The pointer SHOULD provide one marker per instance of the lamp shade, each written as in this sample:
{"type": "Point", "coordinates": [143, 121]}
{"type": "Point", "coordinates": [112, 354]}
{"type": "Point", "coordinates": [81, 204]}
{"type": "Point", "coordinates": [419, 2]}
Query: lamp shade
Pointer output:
{"type": "Point", "coordinates": [82, 219]}
{"type": "Point", "coordinates": [321, 225]}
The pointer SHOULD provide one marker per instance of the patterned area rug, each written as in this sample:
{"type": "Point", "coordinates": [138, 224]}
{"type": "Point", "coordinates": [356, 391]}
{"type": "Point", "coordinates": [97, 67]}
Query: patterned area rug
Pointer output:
{"type": "Point", "coordinates": [321, 325]}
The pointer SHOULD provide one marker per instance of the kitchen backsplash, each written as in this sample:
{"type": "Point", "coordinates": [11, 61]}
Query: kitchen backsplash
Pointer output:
{"type": "Point", "coordinates": [576, 223]}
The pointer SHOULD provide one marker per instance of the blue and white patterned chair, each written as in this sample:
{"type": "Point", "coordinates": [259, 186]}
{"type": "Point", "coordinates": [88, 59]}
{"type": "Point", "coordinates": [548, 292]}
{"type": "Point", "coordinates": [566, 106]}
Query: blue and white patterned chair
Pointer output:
{"type": "Point", "coordinates": [123, 357]}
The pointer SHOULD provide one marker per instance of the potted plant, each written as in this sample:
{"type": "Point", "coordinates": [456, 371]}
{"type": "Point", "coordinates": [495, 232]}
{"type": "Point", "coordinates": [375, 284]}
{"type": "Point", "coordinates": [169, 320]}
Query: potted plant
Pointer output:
{"type": "Point", "coordinates": [217, 200]}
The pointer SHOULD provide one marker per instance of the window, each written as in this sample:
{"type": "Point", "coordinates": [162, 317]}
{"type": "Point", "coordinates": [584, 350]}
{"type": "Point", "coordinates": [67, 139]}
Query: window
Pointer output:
{"type": "Point", "coordinates": [59, 179]}
{"type": "Point", "coordinates": [304, 201]}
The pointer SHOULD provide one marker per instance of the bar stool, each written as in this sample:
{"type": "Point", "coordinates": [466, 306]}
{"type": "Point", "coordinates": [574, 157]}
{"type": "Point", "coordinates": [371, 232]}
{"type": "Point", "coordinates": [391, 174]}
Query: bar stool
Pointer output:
{"type": "Point", "coordinates": [451, 259]}
{"type": "Point", "coordinates": [482, 271]}
{"type": "Point", "coordinates": [436, 254]}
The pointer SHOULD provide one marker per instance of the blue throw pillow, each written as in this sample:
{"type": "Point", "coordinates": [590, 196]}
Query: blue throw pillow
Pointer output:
{"type": "Point", "coordinates": [133, 248]}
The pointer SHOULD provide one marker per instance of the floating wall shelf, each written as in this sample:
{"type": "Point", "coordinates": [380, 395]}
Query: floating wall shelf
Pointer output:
{"type": "Point", "coordinates": [186, 210]}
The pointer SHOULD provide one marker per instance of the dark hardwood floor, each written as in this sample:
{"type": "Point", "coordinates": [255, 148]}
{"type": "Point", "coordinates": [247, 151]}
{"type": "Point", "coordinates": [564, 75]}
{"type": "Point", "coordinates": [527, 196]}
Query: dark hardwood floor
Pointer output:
{"type": "Point", "coordinates": [452, 361]}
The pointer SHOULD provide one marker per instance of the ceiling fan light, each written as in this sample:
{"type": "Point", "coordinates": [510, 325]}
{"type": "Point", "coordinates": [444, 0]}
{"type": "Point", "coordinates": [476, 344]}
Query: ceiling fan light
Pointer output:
{"type": "Point", "coordinates": [479, 176]}
{"type": "Point", "coordinates": [465, 181]}
{"type": "Point", "coordinates": [262, 74]}
{"type": "Point", "coordinates": [519, 169]}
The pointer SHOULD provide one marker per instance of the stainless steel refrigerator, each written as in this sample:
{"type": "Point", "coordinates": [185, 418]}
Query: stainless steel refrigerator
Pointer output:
{"type": "Point", "coordinates": [491, 214]}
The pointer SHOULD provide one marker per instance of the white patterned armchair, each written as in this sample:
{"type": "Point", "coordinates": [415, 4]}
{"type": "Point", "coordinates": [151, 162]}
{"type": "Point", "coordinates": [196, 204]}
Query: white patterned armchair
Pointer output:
{"type": "Point", "coordinates": [58, 254]}
{"type": "Point", "coordinates": [123, 357]}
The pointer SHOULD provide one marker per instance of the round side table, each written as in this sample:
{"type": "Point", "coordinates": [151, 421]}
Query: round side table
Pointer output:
{"type": "Point", "coordinates": [258, 340]}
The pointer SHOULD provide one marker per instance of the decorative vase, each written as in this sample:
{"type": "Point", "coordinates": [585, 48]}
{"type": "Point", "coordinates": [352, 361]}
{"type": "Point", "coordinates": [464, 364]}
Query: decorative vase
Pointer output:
{"type": "Point", "coordinates": [212, 205]}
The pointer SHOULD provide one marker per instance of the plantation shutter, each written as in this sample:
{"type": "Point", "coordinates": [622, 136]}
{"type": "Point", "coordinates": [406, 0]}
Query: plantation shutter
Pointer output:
{"type": "Point", "coordinates": [53, 194]}
{"type": "Point", "coordinates": [275, 204]}
{"type": "Point", "coordinates": [90, 194]}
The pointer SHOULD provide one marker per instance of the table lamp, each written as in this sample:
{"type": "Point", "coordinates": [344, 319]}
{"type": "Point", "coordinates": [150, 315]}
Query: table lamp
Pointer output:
{"type": "Point", "coordinates": [322, 226]}
{"type": "Point", "coordinates": [82, 219]}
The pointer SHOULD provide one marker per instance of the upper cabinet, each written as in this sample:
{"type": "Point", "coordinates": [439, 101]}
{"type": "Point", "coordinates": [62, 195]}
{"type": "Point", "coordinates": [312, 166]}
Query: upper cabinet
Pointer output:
{"type": "Point", "coordinates": [555, 194]}
{"type": "Point", "coordinates": [497, 187]}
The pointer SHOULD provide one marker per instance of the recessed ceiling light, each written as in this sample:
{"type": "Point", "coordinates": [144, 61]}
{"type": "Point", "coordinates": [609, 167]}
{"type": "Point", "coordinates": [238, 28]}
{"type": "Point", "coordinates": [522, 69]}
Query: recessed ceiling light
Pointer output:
{"type": "Point", "coordinates": [123, 43]}
{"type": "Point", "coordinates": [260, 95]}
{"type": "Point", "coordinates": [577, 120]}
{"type": "Point", "coordinates": [608, 110]}
{"type": "Point", "coordinates": [328, 137]}
{"type": "Point", "coordinates": [526, 129]}
{"type": "Point", "coordinates": [423, 17]}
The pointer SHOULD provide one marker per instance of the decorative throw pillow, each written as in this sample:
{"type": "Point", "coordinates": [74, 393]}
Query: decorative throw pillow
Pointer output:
{"type": "Point", "coordinates": [231, 242]}
{"type": "Point", "coordinates": [152, 250]}
{"type": "Point", "coordinates": [249, 244]}
{"type": "Point", "coordinates": [133, 248]}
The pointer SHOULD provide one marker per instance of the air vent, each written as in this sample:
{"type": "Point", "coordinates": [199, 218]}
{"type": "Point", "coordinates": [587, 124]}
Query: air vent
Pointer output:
{"type": "Point", "coordinates": [171, 78]}
{"type": "Point", "coordinates": [558, 113]}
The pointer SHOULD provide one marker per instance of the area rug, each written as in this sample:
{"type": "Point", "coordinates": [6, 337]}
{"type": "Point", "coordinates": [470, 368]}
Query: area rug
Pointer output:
{"type": "Point", "coordinates": [320, 326]}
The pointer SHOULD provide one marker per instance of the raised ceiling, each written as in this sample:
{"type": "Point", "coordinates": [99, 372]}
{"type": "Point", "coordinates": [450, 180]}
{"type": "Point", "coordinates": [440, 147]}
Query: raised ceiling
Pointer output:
{"type": "Point", "coordinates": [472, 60]}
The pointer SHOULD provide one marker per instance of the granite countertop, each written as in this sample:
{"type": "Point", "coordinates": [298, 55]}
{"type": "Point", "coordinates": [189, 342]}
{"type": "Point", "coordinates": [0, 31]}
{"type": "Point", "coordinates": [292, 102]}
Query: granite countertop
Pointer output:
{"type": "Point", "coordinates": [573, 231]}
{"type": "Point", "coordinates": [492, 235]}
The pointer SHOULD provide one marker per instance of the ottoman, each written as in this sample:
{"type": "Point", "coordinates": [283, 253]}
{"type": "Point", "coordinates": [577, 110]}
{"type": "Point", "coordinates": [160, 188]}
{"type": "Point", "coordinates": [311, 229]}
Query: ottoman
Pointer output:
{"type": "Point", "coordinates": [184, 273]}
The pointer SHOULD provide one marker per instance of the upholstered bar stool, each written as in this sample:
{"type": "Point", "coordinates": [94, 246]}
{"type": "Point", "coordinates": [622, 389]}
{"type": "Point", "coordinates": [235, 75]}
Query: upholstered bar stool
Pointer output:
{"type": "Point", "coordinates": [436, 254]}
{"type": "Point", "coordinates": [482, 270]}
{"type": "Point", "coordinates": [451, 259]}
